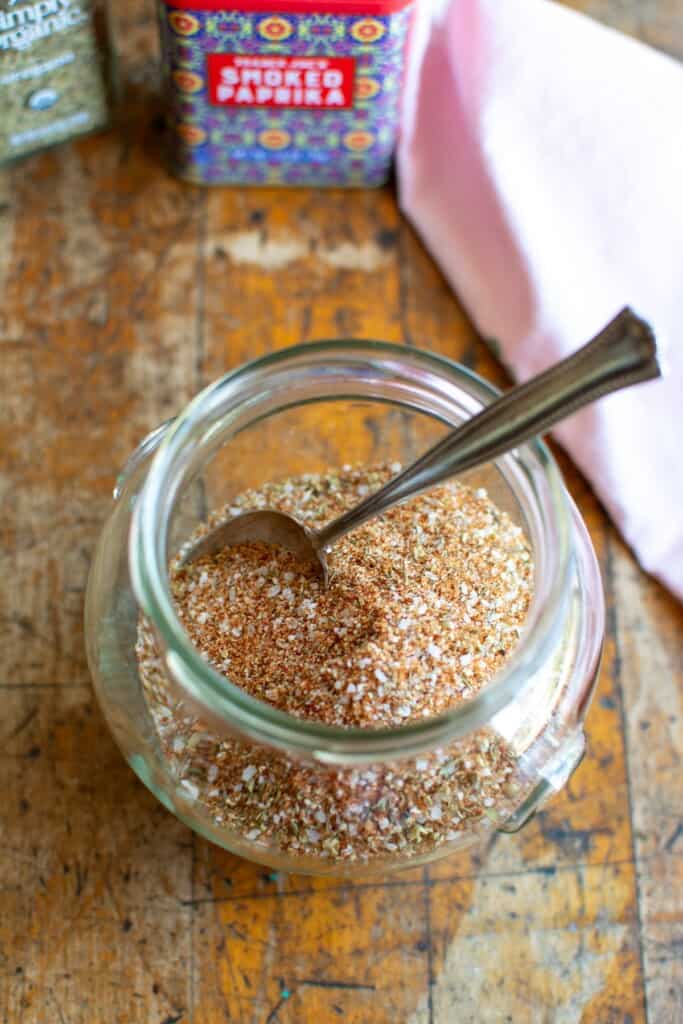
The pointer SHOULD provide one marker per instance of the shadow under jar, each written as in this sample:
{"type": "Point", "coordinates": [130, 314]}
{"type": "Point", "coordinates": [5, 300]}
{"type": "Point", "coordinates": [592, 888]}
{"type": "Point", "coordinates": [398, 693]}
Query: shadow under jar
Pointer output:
{"type": "Point", "coordinates": [289, 792]}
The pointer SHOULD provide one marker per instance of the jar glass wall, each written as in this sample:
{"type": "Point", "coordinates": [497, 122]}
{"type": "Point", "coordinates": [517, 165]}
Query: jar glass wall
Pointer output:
{"type": "Point", "coordinates": [292, 793]}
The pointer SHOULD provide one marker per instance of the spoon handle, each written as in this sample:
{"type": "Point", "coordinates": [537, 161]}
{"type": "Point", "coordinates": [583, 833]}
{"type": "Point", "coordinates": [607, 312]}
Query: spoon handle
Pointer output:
{"type": "Point", "coordinates": [623, 353]}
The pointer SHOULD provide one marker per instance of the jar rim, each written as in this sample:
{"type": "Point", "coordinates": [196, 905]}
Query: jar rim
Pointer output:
{"type": "Point", "coordinates": [148, 563]}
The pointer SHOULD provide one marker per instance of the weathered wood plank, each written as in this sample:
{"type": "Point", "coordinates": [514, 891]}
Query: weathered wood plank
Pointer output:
{"type": "Point", "coordinates": [93, 872]}
{"type": "Point", "coordinates": [547, 946]}
{"type": "Point", "coordinates": [649, 629]}
{"type": "Point", "coordinates": [312, 953]}
{"type": "Point", "coordinates": [97, 345]}
{"type": "Point", "coordinates": [290, 267]}
{"type": "Point", "coordinates": [96, 348]}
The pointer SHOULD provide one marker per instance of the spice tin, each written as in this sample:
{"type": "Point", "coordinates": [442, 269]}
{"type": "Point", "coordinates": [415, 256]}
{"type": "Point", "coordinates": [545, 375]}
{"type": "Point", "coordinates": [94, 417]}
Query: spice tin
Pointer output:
{"type": "Point", "coordinates": [286, 92]}
{"type": "Point", "coordinates": [53, 73]}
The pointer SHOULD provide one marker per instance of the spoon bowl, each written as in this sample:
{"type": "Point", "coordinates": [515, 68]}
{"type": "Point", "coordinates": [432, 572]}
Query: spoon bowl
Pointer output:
{"type": "Point", "coordinates": [269, 527]}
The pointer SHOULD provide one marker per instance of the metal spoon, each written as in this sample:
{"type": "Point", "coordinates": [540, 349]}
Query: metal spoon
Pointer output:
{"type": "Point", "coordinates": [623, 353]}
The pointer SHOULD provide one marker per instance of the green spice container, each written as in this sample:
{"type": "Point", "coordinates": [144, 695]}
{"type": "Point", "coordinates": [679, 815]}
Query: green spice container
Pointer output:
{"type": "Point", "coordinates": [54, 71]}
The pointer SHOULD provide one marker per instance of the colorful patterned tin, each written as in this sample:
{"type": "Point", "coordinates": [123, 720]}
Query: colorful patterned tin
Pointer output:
{"type": "Point", "coordinates": [283, 92]}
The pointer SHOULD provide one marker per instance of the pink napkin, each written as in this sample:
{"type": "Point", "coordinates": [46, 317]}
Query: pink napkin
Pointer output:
{"type": "Point", "coordinates": [541, 161]}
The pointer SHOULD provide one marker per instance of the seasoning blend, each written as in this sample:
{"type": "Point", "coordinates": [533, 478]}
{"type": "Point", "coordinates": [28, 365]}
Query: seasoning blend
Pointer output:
{"type": "Point", "coordinates": [283, 92]}
{"type": "Point", "coordinates": [53, 73]}
{"type": "Point", "coordinates": [424, 605]}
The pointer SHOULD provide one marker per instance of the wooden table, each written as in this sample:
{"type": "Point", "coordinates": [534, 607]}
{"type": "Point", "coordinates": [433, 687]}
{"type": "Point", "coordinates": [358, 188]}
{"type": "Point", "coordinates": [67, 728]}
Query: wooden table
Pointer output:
{"type": "Point", "coordinates": [124, 292]}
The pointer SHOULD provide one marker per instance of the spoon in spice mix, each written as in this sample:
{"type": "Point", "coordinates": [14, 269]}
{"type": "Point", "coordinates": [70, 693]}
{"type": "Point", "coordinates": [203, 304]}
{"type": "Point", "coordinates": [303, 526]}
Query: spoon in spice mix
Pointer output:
{"type": "Point", "coordinates": [622, 354]}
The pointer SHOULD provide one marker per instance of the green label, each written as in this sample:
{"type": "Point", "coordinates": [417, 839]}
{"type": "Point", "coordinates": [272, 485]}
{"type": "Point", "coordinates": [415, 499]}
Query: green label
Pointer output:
{"type": "Point", "coordinates": [52, 83]}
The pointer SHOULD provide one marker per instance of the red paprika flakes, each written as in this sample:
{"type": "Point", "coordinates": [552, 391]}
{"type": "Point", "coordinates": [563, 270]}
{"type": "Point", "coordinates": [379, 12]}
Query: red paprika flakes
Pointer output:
{"type": "Point", "coordinates": [290, 92]}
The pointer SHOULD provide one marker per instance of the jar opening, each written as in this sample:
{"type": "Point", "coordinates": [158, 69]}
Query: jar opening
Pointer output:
{"type": "Point", "coordinates": [342, 371]}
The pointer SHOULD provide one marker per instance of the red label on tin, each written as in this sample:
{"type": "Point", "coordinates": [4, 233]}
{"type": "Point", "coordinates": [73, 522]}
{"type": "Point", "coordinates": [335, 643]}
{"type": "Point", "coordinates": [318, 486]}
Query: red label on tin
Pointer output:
{"type": "Point", "coordinates": [324, 83]}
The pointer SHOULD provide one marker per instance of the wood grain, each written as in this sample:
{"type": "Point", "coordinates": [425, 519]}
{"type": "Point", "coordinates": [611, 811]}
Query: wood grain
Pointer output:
{"type": "Point", "coordinates": [123, 292]}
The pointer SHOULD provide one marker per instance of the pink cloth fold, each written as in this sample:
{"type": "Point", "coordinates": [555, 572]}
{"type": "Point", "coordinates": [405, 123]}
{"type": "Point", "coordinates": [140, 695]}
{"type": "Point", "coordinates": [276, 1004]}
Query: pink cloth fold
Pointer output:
{"type": "Point", "coordinates": [541, 160]}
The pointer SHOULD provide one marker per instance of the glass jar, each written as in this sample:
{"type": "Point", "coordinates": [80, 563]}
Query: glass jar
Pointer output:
{"type": "Point", "coordinates": [303, 796]}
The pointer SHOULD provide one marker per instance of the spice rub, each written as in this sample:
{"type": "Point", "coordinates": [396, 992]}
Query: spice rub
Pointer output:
{"type": "Point", "coordinates": [423, 607]}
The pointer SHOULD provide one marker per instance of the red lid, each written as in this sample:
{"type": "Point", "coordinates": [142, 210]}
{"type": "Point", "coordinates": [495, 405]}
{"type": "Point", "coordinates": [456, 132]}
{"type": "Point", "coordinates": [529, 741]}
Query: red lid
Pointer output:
{"type": "Point", "coordinates": [362, 7]}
